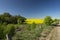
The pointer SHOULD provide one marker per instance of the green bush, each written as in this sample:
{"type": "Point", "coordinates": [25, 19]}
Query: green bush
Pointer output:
{"type": "Point", "coordinates": [10, 29]}
{"type": "Point", "coordinates": [48, 21]}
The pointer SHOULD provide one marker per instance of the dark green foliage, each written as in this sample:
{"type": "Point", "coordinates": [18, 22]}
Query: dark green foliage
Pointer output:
{"type": "Point", "coordinates": [6, 29]}
{"type": "Point", "coordinates": [48, 21]}
{"type": "Point", "coordinates": [55, 21]}
{"type": "Point", "coordinates": [2, 31]}
{"type": "Point", "coordinates": [20, 19]}
{"type": "Point", "coordinates": [10, 29]}
{"type": "Point", "coordinates": [6, 19]}
{"type": "Point", "coordinates": [10, 19]}
{"type": "Point", "coordinates": [6, 14]}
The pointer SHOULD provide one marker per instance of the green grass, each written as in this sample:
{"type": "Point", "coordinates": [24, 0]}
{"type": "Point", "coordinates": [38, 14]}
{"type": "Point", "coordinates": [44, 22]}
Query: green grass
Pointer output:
{"type": "Point", "coordinates": [32, 32]}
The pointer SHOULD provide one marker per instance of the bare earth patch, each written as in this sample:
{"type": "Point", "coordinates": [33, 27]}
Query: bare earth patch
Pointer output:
{"type": "Point", "coordinates": [58, 33]}
{"type": "Point", "coordinates": [55, 35]}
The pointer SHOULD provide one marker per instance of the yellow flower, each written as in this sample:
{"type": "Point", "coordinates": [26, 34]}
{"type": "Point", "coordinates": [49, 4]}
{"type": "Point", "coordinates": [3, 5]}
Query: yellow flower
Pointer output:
{"type": "Point", "coordinates": [36, 21]}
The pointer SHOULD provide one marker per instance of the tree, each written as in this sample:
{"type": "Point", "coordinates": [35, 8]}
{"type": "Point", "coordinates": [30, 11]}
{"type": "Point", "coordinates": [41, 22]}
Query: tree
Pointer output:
{"type": "Point", "coordinates": [10, 30]}
{"type": "Point", "coordinates": [48, 21]}
{"type": "Point", "coordinates": [10, 19]}
{"type": "Point", "coordinates": [56, 21]}
{"type": "Point", "coordinates": [6, 14]}
{"type": "Point", "coordinates": [20, 19]}
{"type": "Point", "coordinates": [5, 17]}
{"type": "Point", "coordinates": [1, 32]}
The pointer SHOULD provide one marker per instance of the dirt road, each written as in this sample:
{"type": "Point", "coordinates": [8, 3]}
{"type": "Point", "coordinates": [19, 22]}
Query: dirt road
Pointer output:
{"type": "Point", "coordinates": [58, 32]}
{"type": "Point", "coordinates": [55, 34]}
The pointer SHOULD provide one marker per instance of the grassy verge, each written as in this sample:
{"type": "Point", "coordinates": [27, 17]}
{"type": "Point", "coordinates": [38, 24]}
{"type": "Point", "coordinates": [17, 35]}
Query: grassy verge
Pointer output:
{"type": "Point", "coordinates": [33, 32]}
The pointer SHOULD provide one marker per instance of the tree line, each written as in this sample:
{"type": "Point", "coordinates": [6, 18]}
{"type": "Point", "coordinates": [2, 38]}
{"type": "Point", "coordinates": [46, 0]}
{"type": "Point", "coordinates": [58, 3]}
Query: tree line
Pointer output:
{"type": "Point", "coordinates": [7, 18]}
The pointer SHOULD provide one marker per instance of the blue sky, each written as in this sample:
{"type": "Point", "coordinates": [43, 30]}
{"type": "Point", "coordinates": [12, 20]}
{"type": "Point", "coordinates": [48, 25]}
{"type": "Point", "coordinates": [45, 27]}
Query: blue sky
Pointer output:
{"type": "Point", "coordinates": [31, 8]}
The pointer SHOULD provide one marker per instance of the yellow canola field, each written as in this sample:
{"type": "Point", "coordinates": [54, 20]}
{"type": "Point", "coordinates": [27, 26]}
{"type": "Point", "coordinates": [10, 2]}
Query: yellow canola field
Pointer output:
{"type": "Point", "coordinates": [36, 21]}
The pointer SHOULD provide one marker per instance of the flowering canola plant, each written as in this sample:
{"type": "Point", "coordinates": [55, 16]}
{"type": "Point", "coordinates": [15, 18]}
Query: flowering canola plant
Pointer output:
{"type": "Point", "coordinates": [36, 21]}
